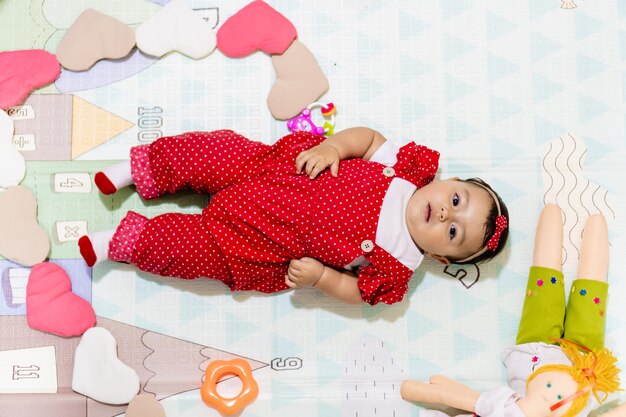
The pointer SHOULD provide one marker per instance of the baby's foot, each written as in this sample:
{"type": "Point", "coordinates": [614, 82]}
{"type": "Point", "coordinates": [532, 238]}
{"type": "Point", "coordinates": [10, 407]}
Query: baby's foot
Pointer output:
{"type": "Point", "coordinates": [104, 184]}
{"type": "Point", "coordinates": [114, 177]}
{"type": "Point", "coordinates": [86, 249]}
{"type": "Point", "coordinates": [94, 247]}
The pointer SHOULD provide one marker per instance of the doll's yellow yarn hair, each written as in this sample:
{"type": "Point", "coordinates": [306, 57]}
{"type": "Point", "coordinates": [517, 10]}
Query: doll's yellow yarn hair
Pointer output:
{"type": "Point", "coordinates": [594, 370]}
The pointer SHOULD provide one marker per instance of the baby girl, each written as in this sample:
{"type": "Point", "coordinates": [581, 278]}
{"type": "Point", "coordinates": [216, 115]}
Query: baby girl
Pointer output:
{"type": "Point", "coordinates": [352, 215]}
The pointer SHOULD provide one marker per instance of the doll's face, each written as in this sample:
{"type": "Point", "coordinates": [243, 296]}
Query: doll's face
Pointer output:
{"type": "Point", "coordinates": [447, 218]}
{"type": "Point", "coordinates": [547, 389]}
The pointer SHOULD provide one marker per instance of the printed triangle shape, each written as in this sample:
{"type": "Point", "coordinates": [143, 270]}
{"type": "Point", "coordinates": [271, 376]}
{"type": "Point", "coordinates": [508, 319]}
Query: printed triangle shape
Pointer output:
{"type": "Point", "coordinates": [501, 109]}
{"type": "Point", "coordinates": [465, 301]}
{"type": "Point", "coordinates": [508, 191]}
{"type": "Point", "coordinates": [239, 328]}
{"type": "Point", "coordinates": [508, 324]}
{"type": "Point", "coordinates": [546, 130]}
{"type": "Point", "coordinates": [466, 347]}
{"type": "Point", "coordinates": [504, 152]}
{"type": "Point", "coordinates": [596, 151]}
{"type": "Point", "coordinates": [454, 47]}
{"type": "Point", "coordinates": [412, 109]}
{"type": "Point", "coordinates": [93, 126]}
{"type": "Point", "coordinates": [542, 47]}
{"type": "Point", "coordinates": [587, 66]}
{"type": "Point", "coordinates": [498, 26]}
{"type": "Point", "coordinates": [590, 108]}
{"type": "Point", "coordinates": [513, 281]}
{"type": "Point", "coordinates": [586, 25]}
{"type": "Point", "coordinates": [329, 368]}
{"type": "Point", "coordinates": [500, 68]}
{"type": "Point", "coordinates": [422, 368]}
{"type": "Point", "coordinates": [538, 8]}
{"type": "Point", "coordinates": [451, 8]}
{"type": "Point", "coordinates": [411, 68]}
{"type": "Point", "coordinates": [419, 326]}
{"type": "Point", "coordinates": [544, 88]}
{"type": "Point", "coordinates": [410, 26]}
{"type": "Point", "coordinates": [457, 130]}
{"type": "Point", "coordinates": [330, 328]}
{"type": "Point", "coordinates": [368, 46]}
{"type": "Point", "coordinates": [455, 88]}
{"type": "Point", "coordinates": [284, 347]}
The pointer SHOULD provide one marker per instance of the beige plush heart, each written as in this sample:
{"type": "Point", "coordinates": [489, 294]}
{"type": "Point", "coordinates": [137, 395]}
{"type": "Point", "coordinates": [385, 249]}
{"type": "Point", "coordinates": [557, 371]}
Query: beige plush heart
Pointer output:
{"type": "Point", "coordinates": [21, 238]}
{"type": "Point", "coordinates": [299, 81]}
{"type": "Point", "coordinates": [92, 37]}
{"type": "Point", "coordinates": [144, 405]}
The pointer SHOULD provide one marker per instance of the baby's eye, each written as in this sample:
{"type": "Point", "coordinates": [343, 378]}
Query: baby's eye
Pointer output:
{"type": "Point", "coordinates": [559, 397]}
{"type": "Point", "coordinates": [452, 232]}
{"type": "Point", "coordinates": [455, 200]}
{"type": "Point", "coordinates": [549, 385]}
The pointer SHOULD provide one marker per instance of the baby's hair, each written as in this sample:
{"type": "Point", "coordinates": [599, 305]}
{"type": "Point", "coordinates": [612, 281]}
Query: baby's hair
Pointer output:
{"type": "Point", "coordinates": [490, 225]}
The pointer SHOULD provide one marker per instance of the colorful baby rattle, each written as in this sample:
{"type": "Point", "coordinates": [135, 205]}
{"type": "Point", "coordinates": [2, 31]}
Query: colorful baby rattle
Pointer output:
{"type": "Point", "coordinates": [216, 370]}
{"type": "Point", "coordinates": [304, 122]}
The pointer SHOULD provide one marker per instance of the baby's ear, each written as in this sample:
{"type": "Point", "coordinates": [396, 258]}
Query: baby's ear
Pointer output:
{"type": "Point", "coordinates": [439, 258]}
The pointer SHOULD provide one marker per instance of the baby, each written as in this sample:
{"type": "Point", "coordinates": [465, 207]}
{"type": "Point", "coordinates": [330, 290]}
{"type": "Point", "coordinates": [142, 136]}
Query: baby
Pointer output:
{"type": "Point", "coordinates": [352, 215]}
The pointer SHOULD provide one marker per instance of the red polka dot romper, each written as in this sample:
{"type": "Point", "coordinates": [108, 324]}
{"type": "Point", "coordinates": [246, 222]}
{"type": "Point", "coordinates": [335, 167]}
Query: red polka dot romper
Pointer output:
{"type": "Point", "coordinates": [263, 214]}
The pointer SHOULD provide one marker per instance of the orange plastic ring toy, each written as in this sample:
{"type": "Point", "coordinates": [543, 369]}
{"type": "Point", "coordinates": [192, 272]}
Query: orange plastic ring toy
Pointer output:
{"type": "Point", "coordinates": [218, 369]}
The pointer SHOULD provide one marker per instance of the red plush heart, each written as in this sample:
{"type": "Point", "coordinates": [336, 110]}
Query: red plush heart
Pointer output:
{"type": "Point", "coordinates": [256, 26]}
{"type": "Point", "coordinates": [52, 307]}
{"type": "Point", "coordinates": [23, 71]}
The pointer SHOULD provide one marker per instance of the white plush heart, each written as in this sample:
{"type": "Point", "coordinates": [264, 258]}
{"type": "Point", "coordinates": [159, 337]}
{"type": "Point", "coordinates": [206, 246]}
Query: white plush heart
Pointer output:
{"type": "Point", "coordinates": [176, 28]}
{"type": "Point", "coordinates": [6, 129]}
{"type": "Point", "coordinates": [98, 373]}
{"type": "Point", "coordinates": [12, 164]}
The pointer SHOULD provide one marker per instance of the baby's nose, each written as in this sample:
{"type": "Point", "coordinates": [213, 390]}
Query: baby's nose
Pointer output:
{"type": "Point", "coordinates": [443, 213]}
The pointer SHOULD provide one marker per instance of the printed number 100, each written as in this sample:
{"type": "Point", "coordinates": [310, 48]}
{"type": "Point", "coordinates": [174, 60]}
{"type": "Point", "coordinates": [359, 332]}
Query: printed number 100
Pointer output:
{"type": "Point", "coordinates": [149, 122]}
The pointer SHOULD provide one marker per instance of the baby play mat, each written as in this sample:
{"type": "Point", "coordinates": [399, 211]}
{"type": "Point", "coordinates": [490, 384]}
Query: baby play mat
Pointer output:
{"type": "Point", "coordinates": [529, 95]}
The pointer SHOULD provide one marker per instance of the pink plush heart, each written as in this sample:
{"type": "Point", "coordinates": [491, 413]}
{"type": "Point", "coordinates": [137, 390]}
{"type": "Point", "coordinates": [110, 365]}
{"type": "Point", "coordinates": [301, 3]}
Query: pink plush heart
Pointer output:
{"type": "Point", "coordinates": [256, 26]}
{"type": "Point", "coordinates": [24, 71]}
{"type": "Point", "coordinates": [52, 307]}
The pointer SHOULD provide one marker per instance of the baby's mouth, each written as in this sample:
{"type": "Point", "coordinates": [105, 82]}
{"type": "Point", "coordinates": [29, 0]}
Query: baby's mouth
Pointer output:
{"type": "Point", "coordinates": [427, 212]}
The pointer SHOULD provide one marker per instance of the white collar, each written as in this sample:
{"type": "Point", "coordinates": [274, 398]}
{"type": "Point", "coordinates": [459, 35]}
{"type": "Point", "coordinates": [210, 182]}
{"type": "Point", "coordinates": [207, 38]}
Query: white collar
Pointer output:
{"type": "Point", "coordinates": [392, 233]}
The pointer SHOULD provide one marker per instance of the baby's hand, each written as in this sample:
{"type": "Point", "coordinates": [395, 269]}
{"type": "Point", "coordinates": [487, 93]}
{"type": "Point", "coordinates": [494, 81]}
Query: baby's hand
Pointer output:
{"type": "Point", "coordinates": [317, 159]}
{"type": "Point", "coordinates": [304, 272]}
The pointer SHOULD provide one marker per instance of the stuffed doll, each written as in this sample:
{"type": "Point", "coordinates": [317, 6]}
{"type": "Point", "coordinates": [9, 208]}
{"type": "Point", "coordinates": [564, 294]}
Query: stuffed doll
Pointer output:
{"type": "Point", "coordinates": [559, 367]}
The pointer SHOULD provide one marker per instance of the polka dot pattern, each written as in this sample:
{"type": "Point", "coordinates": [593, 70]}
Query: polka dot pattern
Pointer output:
{"type": "Point", "coordinates": [263, 214]}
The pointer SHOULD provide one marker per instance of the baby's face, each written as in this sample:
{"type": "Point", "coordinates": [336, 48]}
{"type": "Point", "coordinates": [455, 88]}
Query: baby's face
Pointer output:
{"type": "Point", "coordinates": [447, 218]}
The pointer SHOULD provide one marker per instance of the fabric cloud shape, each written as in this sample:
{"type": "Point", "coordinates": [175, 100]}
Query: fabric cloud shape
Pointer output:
{"type": "Point", "coordinates": [52, 307]}
{"type": "Point", "coordinates": [98, 373]}
{"type": "Point", "coordinates": [21, 238]}
{"type": "Point", "coordinates": [12, 164]}
{"type": "Point", "coordinates": [92, 37]}
{"type": "Point", "coordinates": [176, 27]}
{"type": "Point", "coordinates": [24, 71]}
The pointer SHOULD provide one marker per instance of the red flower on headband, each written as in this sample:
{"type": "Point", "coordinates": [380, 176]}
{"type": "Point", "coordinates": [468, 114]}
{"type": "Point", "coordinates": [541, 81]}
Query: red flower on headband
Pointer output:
{"type": "Point", "coordinates": [501, 224]}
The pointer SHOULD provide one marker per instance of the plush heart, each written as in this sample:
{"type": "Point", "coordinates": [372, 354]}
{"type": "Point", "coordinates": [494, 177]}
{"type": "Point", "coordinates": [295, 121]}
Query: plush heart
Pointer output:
{"type": "Point", "coordinates": [12, 164]}
{"type": "Point", "coordinates": [255, 27]}
{"type": "Point", "coordinates": [92, 37]}
{"type": "Point", "coordinates": [176, 28]}
{"type": "Point", "coordinates": [98, 373]}
{"type": "Point", "coordinates": [144, 405]}
{"type": "Point", "coordinates": [299, 82]}
{"type": "Point", "coordinates": [52, 307]}
{"type": "Point", "coordinates": [23, 71]}
{"type": "Point", "coordinates": [21, 238]}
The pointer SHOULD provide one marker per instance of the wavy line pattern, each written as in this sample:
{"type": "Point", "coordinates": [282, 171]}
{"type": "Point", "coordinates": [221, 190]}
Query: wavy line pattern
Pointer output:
{"type": "Point", "coordinates": [566, 185]}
